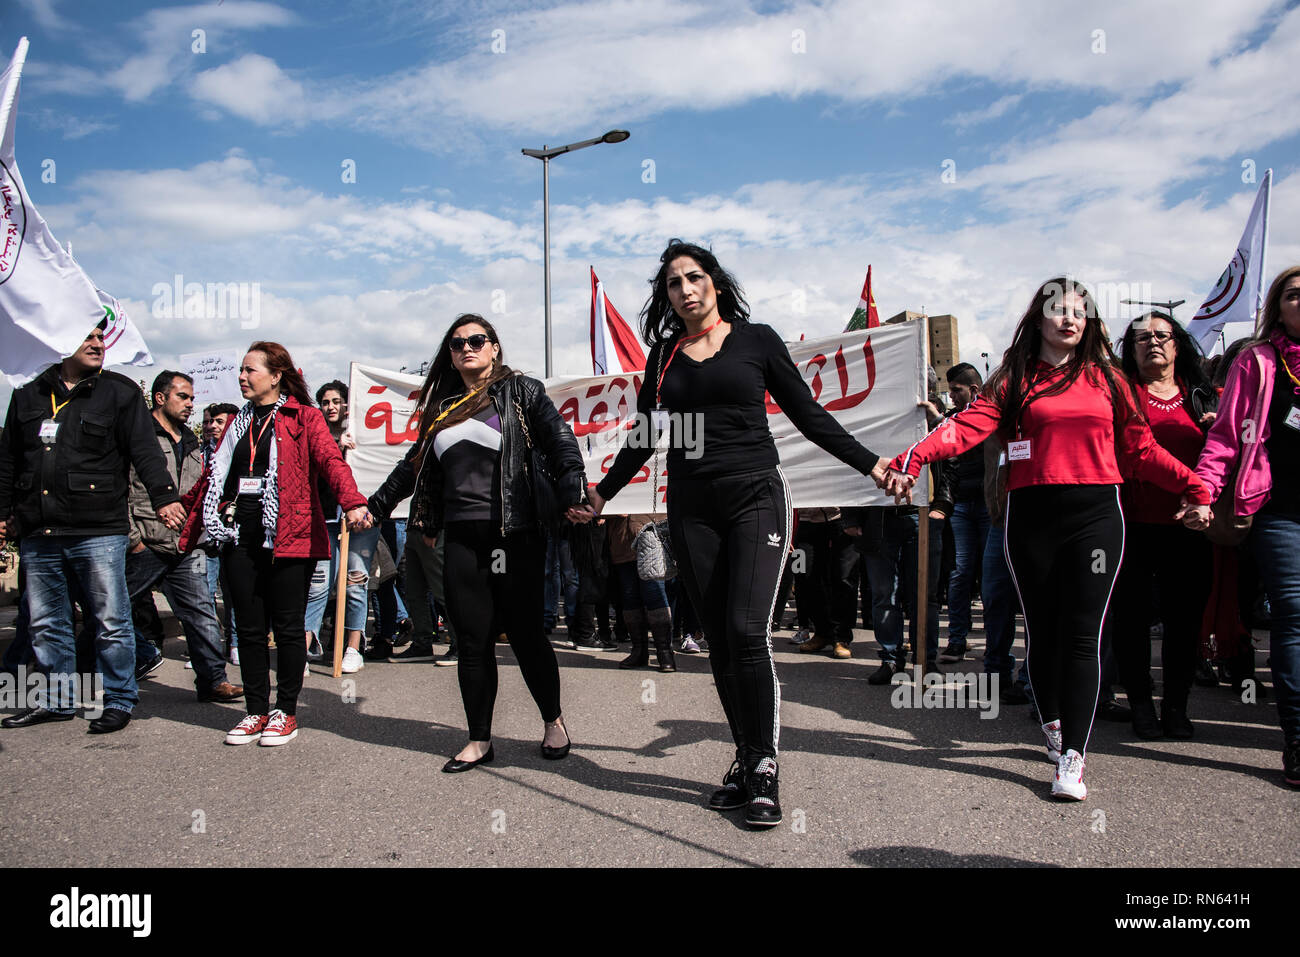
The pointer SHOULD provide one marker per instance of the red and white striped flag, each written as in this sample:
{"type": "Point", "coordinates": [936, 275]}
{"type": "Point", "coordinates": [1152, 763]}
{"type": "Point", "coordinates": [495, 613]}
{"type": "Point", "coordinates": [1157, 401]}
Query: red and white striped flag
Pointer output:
{"type": "Point", "coordinates": [865, 316]}
{"type": "Point", "coordinates": [614, 346]}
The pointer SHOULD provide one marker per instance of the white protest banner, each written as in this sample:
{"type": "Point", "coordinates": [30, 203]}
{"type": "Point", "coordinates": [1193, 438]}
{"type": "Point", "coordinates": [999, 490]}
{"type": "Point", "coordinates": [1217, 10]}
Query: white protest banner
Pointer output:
{"type": "Point", "coordinates": [870, 380]}
{"type": "Point", "coordinates": [215, 375]}
{"type": "Point", "coordinates": [380, 405]}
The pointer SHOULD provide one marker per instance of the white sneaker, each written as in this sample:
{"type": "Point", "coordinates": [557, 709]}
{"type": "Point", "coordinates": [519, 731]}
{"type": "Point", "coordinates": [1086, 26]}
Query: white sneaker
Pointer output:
{"type": "Point", "coordinates": [314, 650]}
{"type": "Point", "coordinates": [1068, 783]}
{"type": "Point", "coordinates": [306, 671]}
{"type": "Point", "coordinates": [352, 661]}
{"type": "Point", "coordinates": [234, 656]}
{"type": "Point", "coordinates": [1052, 732]}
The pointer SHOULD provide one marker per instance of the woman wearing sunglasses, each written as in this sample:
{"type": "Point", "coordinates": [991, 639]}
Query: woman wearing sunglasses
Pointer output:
{"type": "Point", "coordinates": [472, 485]}
{"type": "Point", "coordinates": [728, 508]}
{"type": "Point", "coordinates": [1166, 565]}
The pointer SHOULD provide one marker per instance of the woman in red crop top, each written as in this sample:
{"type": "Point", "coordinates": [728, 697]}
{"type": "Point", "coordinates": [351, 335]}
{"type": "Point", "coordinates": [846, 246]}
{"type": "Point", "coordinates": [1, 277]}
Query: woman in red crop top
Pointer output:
{"type": "Point", "coordinates": [1073, 432]}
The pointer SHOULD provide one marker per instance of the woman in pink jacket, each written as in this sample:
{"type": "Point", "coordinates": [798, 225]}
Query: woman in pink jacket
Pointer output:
{"type": "Point", "coordinates": [1257, 436]}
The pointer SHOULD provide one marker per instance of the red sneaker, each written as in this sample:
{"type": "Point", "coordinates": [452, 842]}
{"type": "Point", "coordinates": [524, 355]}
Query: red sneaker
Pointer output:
{"type": "Point", "coordinates": [281, 728]}
{"type": "Point", "coordinates": [248, 730]}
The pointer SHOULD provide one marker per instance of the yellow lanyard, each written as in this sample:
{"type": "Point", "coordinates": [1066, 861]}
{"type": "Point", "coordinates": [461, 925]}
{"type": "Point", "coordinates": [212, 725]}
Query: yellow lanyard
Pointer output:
{"type": "Point", "coordinates": [461, 401]}
{"type": "Point", "coordinates": [1294, 380]}
{"type": "Point", "coordinates": [54, 409]}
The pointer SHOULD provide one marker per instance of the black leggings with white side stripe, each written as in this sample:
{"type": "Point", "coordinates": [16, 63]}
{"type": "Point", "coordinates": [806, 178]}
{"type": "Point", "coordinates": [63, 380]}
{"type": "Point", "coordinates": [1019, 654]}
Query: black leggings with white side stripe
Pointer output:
{"type": "Point", "coordinates": [730, 537]}
{"type": "Point", "coordinates": [1064, 544]}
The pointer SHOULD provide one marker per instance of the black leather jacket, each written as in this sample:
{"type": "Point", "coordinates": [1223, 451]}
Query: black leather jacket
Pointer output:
{"type": "Point", "coordinates": [551, 435]}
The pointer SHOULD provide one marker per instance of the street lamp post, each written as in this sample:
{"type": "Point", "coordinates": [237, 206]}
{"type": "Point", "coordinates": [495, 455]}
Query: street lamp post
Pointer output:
{"type": "Point", "coordinates": [544, 154]}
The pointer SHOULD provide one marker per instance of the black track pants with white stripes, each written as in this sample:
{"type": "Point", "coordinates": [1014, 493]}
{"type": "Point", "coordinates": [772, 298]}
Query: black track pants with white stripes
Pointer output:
{"type": "Point", "coordinates": [730, 536]}
{"type": "Point", "coordinates": [1064, 544]}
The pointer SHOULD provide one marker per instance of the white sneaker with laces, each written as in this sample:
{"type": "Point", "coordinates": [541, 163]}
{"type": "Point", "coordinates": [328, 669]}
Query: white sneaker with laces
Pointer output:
{"type": "Point", "coordinates": [352, 661]}
{"type": "Point", "coordinates": [1052, 732]}
{"type": "Point", "coordinates": [1068, 783]}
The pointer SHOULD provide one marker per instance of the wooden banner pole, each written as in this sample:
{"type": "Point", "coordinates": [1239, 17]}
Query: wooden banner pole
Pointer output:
{"type": "Point", "coordinates": [341, 600]}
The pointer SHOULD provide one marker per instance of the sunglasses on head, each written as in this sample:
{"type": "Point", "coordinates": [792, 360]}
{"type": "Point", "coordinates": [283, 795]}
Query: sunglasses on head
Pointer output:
{"type": "Point", "coordinates": [475, 342]}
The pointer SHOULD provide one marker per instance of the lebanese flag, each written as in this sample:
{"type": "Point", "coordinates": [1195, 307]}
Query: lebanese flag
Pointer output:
{"type": "Point", "coordinates": [614, 346]}
{"type": "Point", "coordinates": [865, 316]}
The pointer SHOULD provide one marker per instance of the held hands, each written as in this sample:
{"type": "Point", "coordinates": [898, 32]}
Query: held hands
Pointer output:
{"type": "Point", "coordinates": [173, 516]}
{"type": "Point", "coordinates": [359, 519]}
{"type": "Point", "coordinates": [1195, 517]}
{"type": "Point", "coordinates": [430, 541]}
{"type": "Point", "coordinates": [580, 514]}
{"type": "Point", "coordinates": [899, 485]}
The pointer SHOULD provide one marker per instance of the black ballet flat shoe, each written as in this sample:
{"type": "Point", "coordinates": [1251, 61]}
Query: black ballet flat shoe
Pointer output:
{"type": "Point", "coordinates": [455, 765]}
{"type": "Point", "coordinates": [555, 754]}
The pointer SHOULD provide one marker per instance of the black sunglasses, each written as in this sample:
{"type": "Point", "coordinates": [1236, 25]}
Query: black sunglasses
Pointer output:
{"type": "Point", "coordinates": [476, 342]}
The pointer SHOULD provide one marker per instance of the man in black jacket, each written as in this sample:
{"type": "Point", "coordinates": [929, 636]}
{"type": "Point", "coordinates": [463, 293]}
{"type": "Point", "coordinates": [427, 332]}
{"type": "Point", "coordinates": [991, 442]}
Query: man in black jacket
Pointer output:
{"type": "Point", "coordinates": [70, 438]}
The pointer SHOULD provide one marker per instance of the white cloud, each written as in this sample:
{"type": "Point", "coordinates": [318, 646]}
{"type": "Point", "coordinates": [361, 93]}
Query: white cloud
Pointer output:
{"type": "Point", "coordinates": [252, 87]}
{"type": "Point", "coordinates": [998, 108]}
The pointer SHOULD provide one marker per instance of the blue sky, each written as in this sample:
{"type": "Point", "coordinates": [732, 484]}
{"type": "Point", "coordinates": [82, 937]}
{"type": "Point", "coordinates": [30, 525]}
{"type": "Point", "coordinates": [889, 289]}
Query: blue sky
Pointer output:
{"type": "Point", "coordinates": [803, 141]}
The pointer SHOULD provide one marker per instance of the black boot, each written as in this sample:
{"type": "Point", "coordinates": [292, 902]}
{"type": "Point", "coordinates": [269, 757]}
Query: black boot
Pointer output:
{"type": "Point", "coordinates": [584, 630]}
{"type": "Point", "coordinates": [634, 619]}
{"type": "Point", "coordinates": [1145, 723]}
{"type": "Point", "coordinates": [661, 628]}
{"type": "Point", "coordinates": [1173, 715]}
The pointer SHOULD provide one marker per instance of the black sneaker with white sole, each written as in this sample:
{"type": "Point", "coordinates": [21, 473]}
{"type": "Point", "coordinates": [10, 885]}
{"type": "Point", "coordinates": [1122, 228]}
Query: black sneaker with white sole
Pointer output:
{"type": "Point", "coordinates": [734, 793]}
{"type": "Point", "coordinates": [884, 674]}
{"type": "Point", "coordinates": [414, 651]}
{"type": "Point", "coordinates": [763, 810]}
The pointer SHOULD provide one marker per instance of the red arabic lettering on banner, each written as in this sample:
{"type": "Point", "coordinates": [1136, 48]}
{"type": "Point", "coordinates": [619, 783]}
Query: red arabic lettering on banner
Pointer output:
{"type": "Point", "coordinates": [845, 399]}
{"type": "Point", "coordinates": [590, 413]}
{"type": "Point", "coordinates": [380, 416]}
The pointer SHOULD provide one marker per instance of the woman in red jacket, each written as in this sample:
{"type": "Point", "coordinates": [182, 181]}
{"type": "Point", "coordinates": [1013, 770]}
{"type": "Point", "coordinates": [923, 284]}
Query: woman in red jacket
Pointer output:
{"type": "Point", "coordinates": [261, 506]}
{"type": "Point", "coordinates": [1073, 432]}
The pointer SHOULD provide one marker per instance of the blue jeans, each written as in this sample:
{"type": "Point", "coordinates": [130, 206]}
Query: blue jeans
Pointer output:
{"type": "Point", "coordinates": [1275, 541]}
{"type": "Point", "coordinates": [184, 580]}
{"type": "Point", "coordinates": [970, 532]}
{"type": "Point", "coordinates": [560, 573]}
{"type": "Point", "coordinates": [637, 592]}
{"type": "Point", "coordinates": [214, 579]}
{"type": "Point", "coordinates": [389, 602]}
{"type": "Point", "coordinates": [892, 570]}
{"type": "Point", "coordinates": [98, 564]}
{"type": "Point", "coordinates": [361, 551]}
{"type": "Point", "coordinates": [998, 593]}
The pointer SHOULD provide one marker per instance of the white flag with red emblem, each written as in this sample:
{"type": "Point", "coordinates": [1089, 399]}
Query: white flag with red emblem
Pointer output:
{"type": "Point", "coordinates": [1239, 294]}
{"type": "Point", "coordinates": [614, 346]}
{"type": "Point", "coordinates": [47, 305]}
{"type": "Point", "coordinates": [123, 344]}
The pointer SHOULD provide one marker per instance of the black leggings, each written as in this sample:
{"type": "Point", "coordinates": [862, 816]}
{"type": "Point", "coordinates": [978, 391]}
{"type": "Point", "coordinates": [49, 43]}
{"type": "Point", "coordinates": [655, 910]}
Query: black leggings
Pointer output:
{"type": "Point", "coordinates": [1064, 545]}
{"type": "Point", "coordinates": [1166, 568]}
{"type": "Point", "coordinates": [269, 595]}
{"type": "Point", "coordinates": [730, 536]}
{"type": "Point", "coordinates": [489, 579]}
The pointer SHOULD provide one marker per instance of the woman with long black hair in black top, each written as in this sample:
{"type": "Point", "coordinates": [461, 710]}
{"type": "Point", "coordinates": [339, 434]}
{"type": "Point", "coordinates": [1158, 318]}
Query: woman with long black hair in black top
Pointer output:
{"type": "Point", "coordinates": [728, 508]}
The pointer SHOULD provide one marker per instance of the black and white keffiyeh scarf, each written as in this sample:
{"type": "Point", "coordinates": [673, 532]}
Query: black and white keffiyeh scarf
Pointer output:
{"type": "Point", "coordinates": [216, 529]}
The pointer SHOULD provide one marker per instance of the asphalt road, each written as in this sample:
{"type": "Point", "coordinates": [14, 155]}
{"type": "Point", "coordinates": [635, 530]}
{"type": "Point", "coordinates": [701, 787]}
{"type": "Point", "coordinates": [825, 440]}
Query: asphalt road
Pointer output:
{"type": "Point", "coordinates": [862, 782]}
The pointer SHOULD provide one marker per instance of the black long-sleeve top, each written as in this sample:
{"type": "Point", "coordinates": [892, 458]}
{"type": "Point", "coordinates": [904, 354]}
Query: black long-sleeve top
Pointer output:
{"type": "Point", "coordinates": [727, 391]}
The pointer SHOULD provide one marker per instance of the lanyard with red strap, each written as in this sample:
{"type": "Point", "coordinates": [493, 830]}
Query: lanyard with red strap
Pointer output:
{"type": "Point", "coordinates": [672, 355]}
{"type": "Point", "coordinates": [253, 444]}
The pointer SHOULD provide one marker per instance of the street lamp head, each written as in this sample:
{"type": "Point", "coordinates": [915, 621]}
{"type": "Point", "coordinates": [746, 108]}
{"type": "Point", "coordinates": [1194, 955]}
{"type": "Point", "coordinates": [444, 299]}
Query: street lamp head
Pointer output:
{"type": "Point", "coordinates": [615, 136]}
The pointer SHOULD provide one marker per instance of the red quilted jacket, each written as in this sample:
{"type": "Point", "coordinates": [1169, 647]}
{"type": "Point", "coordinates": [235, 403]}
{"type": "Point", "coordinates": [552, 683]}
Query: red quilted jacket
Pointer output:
{"type": "Point", "coordinates": [304, 449]}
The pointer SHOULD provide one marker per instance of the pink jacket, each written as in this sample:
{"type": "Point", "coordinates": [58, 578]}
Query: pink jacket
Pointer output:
{"type": "Point", "coordinates": [1237, 437]}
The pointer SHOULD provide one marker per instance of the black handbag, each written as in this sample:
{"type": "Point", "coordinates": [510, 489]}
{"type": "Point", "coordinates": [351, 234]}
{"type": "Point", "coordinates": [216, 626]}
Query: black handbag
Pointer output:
{"type": "Point", "coordinates": [546, 501]}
